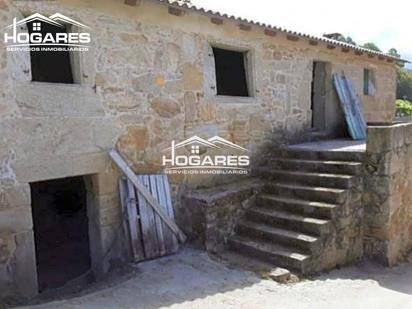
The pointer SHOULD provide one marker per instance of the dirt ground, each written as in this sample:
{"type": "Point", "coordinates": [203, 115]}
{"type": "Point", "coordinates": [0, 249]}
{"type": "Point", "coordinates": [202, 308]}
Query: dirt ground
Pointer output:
{"type": "Point", "coordinates": [190, 279]}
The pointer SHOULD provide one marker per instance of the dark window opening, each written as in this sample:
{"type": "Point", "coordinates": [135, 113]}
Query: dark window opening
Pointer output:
{"type": "Point", "coordinates": [231, 79]}
{"type": "Point", "coordinates": [61, 231]}
{"type": "Point", "coordinates": [366, 77]}
{"type": "Point", "coordinates": [369, 87]}
{"type": "Point", "coordinates": [50, 66]}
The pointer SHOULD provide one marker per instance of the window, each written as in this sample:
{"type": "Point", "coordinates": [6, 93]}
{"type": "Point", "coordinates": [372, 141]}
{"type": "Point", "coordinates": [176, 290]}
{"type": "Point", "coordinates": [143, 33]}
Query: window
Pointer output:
{"type": "Point", "coordinates": [368, 82]}
{"type": "Point", "coordinates": [50, 66]}
{"type": "Point", "coordinates": [195, 149]}
{"type": "Point", "coordinates": [36, 26]}
{"type": "Point", "coordinates": [231, 78]}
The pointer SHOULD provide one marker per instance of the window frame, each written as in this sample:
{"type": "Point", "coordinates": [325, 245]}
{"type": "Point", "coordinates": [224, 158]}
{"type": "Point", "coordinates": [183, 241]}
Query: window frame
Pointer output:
{"type": "Point", "coordinates": [248, 62]}
{"type": "Point", "coordinates": [75, 64]}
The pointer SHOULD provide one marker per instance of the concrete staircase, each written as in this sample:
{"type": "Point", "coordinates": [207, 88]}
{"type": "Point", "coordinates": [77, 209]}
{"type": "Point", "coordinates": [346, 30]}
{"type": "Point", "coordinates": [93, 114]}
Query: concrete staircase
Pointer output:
{"type": "Point", "coordinates": [294, 218]}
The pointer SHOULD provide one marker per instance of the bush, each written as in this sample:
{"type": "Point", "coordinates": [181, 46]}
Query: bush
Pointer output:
{"type": "Point", "coordinates": [403, 108]}
{"type": "Point", "coordinates": [404, 84]}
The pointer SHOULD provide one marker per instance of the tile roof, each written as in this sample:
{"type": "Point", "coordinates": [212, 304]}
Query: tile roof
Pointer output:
{"type": "Point", "coordinates": [216, 14]}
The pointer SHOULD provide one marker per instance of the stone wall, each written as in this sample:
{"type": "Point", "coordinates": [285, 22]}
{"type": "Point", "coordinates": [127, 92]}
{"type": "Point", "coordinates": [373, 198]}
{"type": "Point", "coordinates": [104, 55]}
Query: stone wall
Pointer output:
{"type": "Point", "coordinates": [147, 80]}
{"type": "Point", "coordinates": [209, 216]}
{"type": "Point", "coordinates": [343, 244]}
{"type": "Point", "coordinates": [388, 194]}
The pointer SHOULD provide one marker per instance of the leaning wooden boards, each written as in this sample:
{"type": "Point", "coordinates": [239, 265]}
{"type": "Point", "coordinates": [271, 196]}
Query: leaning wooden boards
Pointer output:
{"type": "Point", "coordinates": [147, 234]}
{"type": "Point", "coordinates": [150, 228]}
{"type": "Point", "coordinates": [351, 106]}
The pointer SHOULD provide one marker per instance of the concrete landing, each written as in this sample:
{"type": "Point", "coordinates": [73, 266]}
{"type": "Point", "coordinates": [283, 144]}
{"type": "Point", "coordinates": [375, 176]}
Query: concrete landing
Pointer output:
{"type": "Point", "coordinates": [332, 145]}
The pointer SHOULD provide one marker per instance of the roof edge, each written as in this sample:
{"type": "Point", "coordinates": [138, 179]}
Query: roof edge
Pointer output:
{"type": "Point", "coordinates": [216, 14]}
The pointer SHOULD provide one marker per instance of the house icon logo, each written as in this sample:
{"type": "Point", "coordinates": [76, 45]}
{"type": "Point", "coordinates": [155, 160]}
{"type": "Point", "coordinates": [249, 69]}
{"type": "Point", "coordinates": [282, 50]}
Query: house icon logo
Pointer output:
{"type": "Point", "coordinates": [67, 35]}
{"type": "Point", "coordinates": [215, 155]}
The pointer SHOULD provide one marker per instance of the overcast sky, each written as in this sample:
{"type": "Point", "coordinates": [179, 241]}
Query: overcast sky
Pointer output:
{"type": "Point", "coordinates": [386, 23]}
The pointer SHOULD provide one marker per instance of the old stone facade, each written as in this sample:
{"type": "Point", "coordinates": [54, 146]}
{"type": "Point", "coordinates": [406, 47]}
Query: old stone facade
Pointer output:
{"type": "Point", "coordinates": [148, 79]}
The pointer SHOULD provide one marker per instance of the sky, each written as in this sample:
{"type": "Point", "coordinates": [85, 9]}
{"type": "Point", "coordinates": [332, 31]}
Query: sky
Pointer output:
{"type": "Point", "coordinates": [386, 23]}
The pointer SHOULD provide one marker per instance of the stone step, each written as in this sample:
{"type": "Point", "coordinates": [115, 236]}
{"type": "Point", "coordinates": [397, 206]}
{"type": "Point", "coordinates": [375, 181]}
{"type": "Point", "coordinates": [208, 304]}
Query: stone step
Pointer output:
{"type": "Point", "coordinates": [322, 155]}
{"type": "Point", "coordinates": [314, 209]}
{"type": "Point", "coordinates": [312, 193]}
{"type": "Point", "coordinates": [305, 242]}
{"type": "Point", "coordinates": [310, 178]}
{"type": "Point", "coordinates": [320, 166]}
{"type": "Point", "coordinates": [269, 252]}
{"type": "Point", "coordinates": [264, 269]}
{"type": "Point", "coordinates": [291, 221]}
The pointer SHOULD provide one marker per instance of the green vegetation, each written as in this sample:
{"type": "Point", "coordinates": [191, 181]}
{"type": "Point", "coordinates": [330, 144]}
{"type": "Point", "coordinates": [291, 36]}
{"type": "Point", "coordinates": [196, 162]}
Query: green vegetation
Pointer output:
{"type": "Point", "coordinates": [403, 108]}
{"type": "Point", "coordinates": [404, 84]}
{"type": "Point", "coordinates": [372, 46]}
{"type": "Point", "coordinates": [394, 52]}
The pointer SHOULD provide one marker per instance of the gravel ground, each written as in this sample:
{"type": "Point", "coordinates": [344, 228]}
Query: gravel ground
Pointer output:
{"type": "Point", "coordinates": [190, 279]}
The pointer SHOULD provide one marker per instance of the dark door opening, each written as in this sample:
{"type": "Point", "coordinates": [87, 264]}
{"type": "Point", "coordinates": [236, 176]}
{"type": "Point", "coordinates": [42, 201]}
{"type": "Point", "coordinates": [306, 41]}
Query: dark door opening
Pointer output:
{"type": "Point", "coordinates": [319, 88]}
{"type": "Point", "coordinates": [61, 231]}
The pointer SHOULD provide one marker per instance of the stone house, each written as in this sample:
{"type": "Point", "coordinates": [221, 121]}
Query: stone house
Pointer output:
{"type": "Point", "coordinates": [155, 73]}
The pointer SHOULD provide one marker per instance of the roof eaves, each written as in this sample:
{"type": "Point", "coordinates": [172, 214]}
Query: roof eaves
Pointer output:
{"type": "Point", "coordinates": [217, 14]}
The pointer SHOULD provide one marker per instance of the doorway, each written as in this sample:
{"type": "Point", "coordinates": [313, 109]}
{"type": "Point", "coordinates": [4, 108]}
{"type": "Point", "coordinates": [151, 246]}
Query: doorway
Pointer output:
{"type": "Point", "coordinates": [61, 231]}
{"type": "Point", "coordinates": [320, 78]}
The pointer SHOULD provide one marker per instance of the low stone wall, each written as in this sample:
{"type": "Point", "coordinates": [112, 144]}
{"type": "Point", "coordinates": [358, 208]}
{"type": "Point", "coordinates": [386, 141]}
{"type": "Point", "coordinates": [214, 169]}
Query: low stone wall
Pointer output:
{"type": "Point", "coordinates": [209, 216]}
{"type": "Point", "coordinates": [388, 194]}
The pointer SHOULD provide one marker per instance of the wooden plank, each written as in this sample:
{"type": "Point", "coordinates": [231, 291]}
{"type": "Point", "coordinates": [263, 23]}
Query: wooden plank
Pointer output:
{"type": "Point", "coordinates": [350, 116]}
{"type": "Point", "coordinates": [149, 198]}
{"type": "Point", "coordinates": [158, 221]}
{"type": "Point", "coordinates": [149, 234]}
{"type": "Point", "coordinates": [131, 2]}
{"type": "Point", "coordinates": [354, 102]}
{"type": "Point", "coordinates": [123, 200]}
{"type": "Point", "coordinates": [134, 224]}
{"type": "Point", "coordinates": [168, 235]}
{"type": "Point", "coordinates": [357, 117]}
{"type": "Point", "coordinates": [357, 107]}
{"type": "Point", "coordinates": [347, 106]}
{"type": "Point", "coordinates": [355, 121]}
{"type": "Point", "coordinates": [344, 105]}
{"type": "Point", "coordinates": [164, 184]}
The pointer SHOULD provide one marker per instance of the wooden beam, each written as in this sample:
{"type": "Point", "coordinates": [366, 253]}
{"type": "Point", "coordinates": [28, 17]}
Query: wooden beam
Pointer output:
{"type": "Point", "coordinates": [131, 2]}
{"type": "Point", "coordinates": [270, 32]}
{"type": "Point", "coordinates": [313, 42]}
{"type": "Point", "coordinates": [121, 163]}
{"type": "Point", "coordinates": [175, 11]}
{"type": "Point", "coordinates": [132, 231]}
{"type": "Point", "coordinates": [245, 27]}
{"type": "Point", "coordinates": [216, 21]}
{"type": "Point", "coordinates": [292, 37]}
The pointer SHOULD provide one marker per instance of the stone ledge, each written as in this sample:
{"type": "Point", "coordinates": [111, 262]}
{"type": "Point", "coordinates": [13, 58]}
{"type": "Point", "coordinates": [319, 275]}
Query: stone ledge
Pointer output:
{"type": "Point", "coordinates": [211, 195]}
